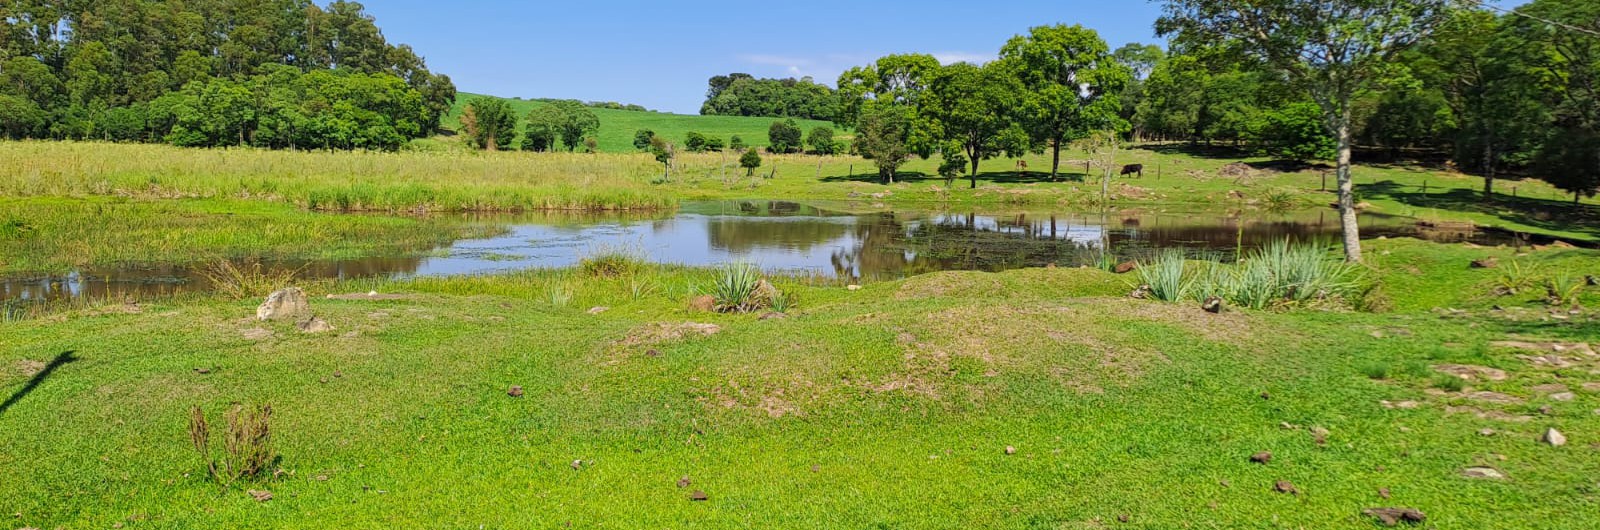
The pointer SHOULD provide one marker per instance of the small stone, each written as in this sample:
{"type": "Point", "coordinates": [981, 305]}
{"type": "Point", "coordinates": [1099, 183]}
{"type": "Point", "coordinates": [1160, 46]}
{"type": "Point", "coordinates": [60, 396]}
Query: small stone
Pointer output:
{"type": "Point", "coordinates": [260, 495]}
{"type": "Point", "coordinates": [337, 373]}
{"type": "Point", "coordinates": [321, 478]}
{"type": "Point", "coordinates": [1383, 492]}
{"type": "Point", "coordinates": [598, 309]}
{"type": "Point", "coordinates": [1011, 450]}
{"type": "Point", "coordinates": [698, 496]}
{"type": "Point", "coordinates": [683, 482]}
{"type": "Point", "coordinates": [1266, 396]}
{"type": "Point", "coordinates": [323, 380]}
{"type": "Point", "coordinates": [1126, 267]}
{"type": "Point", "coordinates": [1225, 483]}
{"type": "Point", "coordinates": [285, 304]}
{"type": "Point", "coordinates": [1547, 410]}
{"type": "Point", "coordinates": [853, 287]}
{"type": "Point", "coordinates": [816, 468]}
{"type": "Point", "coordinates": [1554, 438]}
{"type": "Point", "coordinates": [1483, 472]}
{"type": "Point", "coordinates": [315, 325]}
{"type": "Point", "coordinates": [1485, 263]}
{"type": "Point", "coordinates": [1284, 486]}
{"type": "Point", "coordinates": [1261, 457]}
{"type": "Point", "coordinates": [652, 352]}
{"type": "Point", "coordinates": [1486, 432]}
{"type": "Point", "coordinates": [1563, 396]}
{"type": "Point", "coordinates": [515, 391]}
{"type": "Point", "coordinates": [1124, 518]}
{"type": "Point", "coordinates": [1395, 516]}
{"type": "Point", "coordinates": [1288, 426]}
{"type": "Point", "coordinates": [1403, 405]}
{"type": "Point", "coordinates": [202, 371]}
{"type": "Point", "coordinates": [577, 464]}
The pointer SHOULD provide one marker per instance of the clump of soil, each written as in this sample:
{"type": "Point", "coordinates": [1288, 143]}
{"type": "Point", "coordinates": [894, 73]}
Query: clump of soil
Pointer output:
{"type": "Point", "coordinates": [657, 333]}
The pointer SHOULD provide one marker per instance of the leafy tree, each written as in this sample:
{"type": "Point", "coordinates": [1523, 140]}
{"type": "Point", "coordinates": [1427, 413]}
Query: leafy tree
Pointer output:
{"type": "Point", "coordinates": [664, 152]}
{"type": "Point", "coordinates": [641, 138]}
{"type": "Point", "coordinates": [695, 142]}
{"type": "Point", "coordinates": [1296, 132]}
{"type": "Point", "coordinates": [750, 160]}
{"type": "Point", "coordinates": [969, 103]}
{"type": "Point", "coordinates": [736, 143]}
{"type": "Point", "coordinates": [744, 95]}
{"type": "Point", "coordinates": [494, 124]}
{"type": "Point", "coordinates": [714, 143]}
{"type": "Point", "coordinates": [1334, 48]}
{"type": "Point", "coordinates": [884, 135]}
{"type": "Point", "coordinates": [19, 117]}
{"type": "Point", "coordinates": [1567, 64]}
{"type": "Point", "coordinates": [580, 123]}
{"type": "Point", "coordinates": [544, 126]}
{"type": "Point", "coordinates": [784, 137]}
{"type": "Point", "coordinates": [953, 162]}
{"type": "Point", "coordinates": [1071, 83]}
{"type": "Point", "coordinates": [821, 141]}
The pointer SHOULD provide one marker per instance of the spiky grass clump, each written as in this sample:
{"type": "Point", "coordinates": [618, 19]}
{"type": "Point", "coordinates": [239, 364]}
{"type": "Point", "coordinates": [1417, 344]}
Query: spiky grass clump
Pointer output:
{"type": "Point", "coordinates": [252, 280]}
{"type": "Point", "coordinates": [246, 445]}
{"type": "Point", "coordinates": [1166, 276]}
{"type": "Point", "coordinates": [737, 288]}
{"type": "Point", "coordinates": [613, 262]}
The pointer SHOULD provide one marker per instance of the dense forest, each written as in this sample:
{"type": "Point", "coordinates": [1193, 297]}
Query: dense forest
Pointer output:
{"type": "Point", "coordinates": [744, 95]}
{"type": "Point", "coordinates": [267, 73]}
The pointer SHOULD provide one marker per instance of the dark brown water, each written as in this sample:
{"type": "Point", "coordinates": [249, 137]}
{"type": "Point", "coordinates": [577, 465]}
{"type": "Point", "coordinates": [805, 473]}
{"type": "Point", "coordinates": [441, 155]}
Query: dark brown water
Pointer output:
{"type": "Point", "coordinates": [789, 237]}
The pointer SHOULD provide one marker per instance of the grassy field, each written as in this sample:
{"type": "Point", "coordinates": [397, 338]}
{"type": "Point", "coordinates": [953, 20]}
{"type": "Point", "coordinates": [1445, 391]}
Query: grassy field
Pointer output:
{"type": "Point", "coordinates": [44, 234]}
{"type": "Point", "coordinates": [617, 126]}
{"type": "Point", "coordinates": [889, 407]}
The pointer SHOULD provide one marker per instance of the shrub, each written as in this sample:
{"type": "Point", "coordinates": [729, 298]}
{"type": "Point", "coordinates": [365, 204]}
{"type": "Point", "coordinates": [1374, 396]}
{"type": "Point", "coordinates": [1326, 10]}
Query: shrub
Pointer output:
{"type": "Point", "coordinates": [1375, 370]}
{"type": "Point", "coordinates": [750, 160]}
{"type": "Point", "coordinates": [736, 143]}
{"type": "Point", "coordinates": [1564, 289]}
{"type": "Point", "coordinates": [737, 288]}
{"type": "Point", "coordinates": [784, 136]}
{"type": "Point", "coordinates": [1513, 279]}
{"type": "Point", "coordinates": [247, 444]}
{"type": "Point", "coordinates": [609, 262]}
{"type": "Point", "coordinates": [1449, 383]}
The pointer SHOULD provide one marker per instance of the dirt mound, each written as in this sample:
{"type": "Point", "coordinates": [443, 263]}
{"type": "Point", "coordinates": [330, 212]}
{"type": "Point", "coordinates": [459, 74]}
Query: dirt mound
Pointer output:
{"type": "Point", "coordinates": [660, 332]}
{"type": "Point", "coordinates": [1237, 170]}
{"type": "Point", "coordinates": [949, 284]}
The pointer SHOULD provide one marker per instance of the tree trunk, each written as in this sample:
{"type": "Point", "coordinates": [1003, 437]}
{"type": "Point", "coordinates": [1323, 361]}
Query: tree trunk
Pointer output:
{"type": "Point", "coordinates": [1488, 170]}
{"type": "Point", "coordinates": [1347, 195]}
{"type": "Point", "coordinates": [974, 173]}
{"type": "Point", "coordinates": [1055, 159]}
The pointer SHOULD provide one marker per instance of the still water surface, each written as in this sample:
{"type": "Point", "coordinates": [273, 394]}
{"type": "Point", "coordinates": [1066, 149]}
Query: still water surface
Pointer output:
{"type": "Point", "coordinates": [780, 236]}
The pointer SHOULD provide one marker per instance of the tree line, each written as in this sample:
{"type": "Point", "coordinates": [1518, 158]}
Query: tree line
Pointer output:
{"type": "Point", "coordinates": [266, 73]}
{"type": "Point", "coordinates": [744, 95]}
{"type": "Point", "coordinates": [1495, 93]}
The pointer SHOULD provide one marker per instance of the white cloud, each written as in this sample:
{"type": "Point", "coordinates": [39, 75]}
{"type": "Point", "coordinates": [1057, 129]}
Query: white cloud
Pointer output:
{"type": "Point", "coordinates": [963, 57]}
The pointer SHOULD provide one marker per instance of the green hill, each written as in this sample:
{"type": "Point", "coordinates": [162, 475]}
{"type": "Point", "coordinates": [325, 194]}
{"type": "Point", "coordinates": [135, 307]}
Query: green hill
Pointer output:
{"type": "Point", "coordinates": [617, 126]}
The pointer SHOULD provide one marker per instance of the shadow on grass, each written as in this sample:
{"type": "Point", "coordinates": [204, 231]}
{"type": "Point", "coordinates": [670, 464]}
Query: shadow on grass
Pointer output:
{"type": "Point", "coordinates": [989, 177]}
{"type": "Point", "coordinates": [1545, 214]}
{"type": "Point", "coordinates": [59, 361]}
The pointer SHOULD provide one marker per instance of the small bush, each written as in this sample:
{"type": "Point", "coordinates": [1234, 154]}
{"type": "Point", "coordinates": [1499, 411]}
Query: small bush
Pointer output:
{"type": "Point", "coordinates": [246, 446]}
{"type": "Point", "coordinates": [1375, 370]}
{"type": "Point", "coordinates": [1449, 383]}
{"type": "Point", "coordinates": [1513, 279]}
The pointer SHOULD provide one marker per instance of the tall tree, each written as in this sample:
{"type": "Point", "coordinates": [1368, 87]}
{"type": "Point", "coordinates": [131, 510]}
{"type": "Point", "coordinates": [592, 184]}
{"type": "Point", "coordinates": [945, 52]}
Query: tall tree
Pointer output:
{"type": "Point", "coordinates": [1072, 85]}
{"type": "Point", "coordinates": [884, 101]}
{"type": "Point", "coordinates": [968, 104]}
{"type": "Point", "coordinates": [495, 125]}
{"type": "Point", "coordinates": [580, 123]}
{"type": "Point", "coordinates": [1334, 48]}
{"type": "Point", "coordinates": [1563, 48]}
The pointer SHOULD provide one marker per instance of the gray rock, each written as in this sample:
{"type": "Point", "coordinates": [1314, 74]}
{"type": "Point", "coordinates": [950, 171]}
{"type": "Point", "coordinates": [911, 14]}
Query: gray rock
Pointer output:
{"type": "Point", "coordinates": [286, 304]}
{"type": "Point", "coordinates": [1554, 438]}
{"type": "Point", "coordinates": [1563, 396]}
{"type": "Point", "coordinates": [1483, 472]}
{"type": "Point", "coordinates": [315, 325]}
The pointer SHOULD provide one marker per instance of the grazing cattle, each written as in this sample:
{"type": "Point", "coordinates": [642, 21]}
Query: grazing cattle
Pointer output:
{"type": "Point", "coordinates": [1022, 166]}
{"type": "Point", "coordinates": [1133, 169]}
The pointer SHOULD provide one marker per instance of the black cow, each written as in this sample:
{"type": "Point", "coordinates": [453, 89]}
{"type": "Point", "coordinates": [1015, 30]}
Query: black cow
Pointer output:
{"type": "Point", "coordinates": [1133, 169]}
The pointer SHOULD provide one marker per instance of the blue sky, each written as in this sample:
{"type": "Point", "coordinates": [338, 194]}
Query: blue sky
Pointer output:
{"type": "Point", "coordinates": [659, 54]}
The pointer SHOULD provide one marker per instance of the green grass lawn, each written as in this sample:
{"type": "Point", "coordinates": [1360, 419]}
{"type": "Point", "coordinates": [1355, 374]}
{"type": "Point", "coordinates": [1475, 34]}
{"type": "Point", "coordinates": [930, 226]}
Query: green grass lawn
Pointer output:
{"type": "Point", "coordinates": [617, 126]}
{"type": "Point", "coordinates": [888, 407]}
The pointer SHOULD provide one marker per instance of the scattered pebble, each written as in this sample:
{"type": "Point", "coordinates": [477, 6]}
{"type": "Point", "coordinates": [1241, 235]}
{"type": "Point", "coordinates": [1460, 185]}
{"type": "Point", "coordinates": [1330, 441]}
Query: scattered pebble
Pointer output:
{"type": "Point", "coordinates": [1563, 396]}
{"type": "Point", "coordinates": [699, 496]}
{"type": "Point", "coordinates": [1011, 450]}
{"type": "Point", "coordinates": [1395, 516]}
{"type": "Point", "coordinates": [1383, 492]}
{"type": "Point", "coordinates": [1554, 438]}
{"type": "Point", "coordinates": [1124, 518]}
{"type": "Point", "coordinates": [1482, 472]}
{"type": "Point", "coordinates": [1284, 486]}
{"type": "Point", "coordinates": [683, 482]}
{"type": "Point", "coordinates": [1486, 432]}
{"type": "Point", "coordinates": [598, 309]}
{"type": "Point", "coordinates": [853, 287]}
{"type": "Point", "coordinates": [577, 464]}
{"type": "Point", "coordinates": [1266, 396]}
{"type": "Point", "coordinates": [652, 352]}
{"type": "Point", "coordinates": [515, 391]}
{"type": "Point", "coordinates": [1261, 457]}
{"type": "Point", "coordinates": [202, 371]}
{"type": "Point", "coordinates": [261, 495]}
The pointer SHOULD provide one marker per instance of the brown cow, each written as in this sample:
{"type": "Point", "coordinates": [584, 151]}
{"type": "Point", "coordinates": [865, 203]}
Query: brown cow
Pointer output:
{"type": "Point", "coordinates": [1022, 166]}
{"type": "Point", "coordinates": [1133, 169]}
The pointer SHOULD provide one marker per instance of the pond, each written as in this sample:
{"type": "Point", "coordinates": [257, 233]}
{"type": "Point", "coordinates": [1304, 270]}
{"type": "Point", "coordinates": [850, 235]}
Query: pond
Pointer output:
{"type": "Point", "coordinates": [838, 240]}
